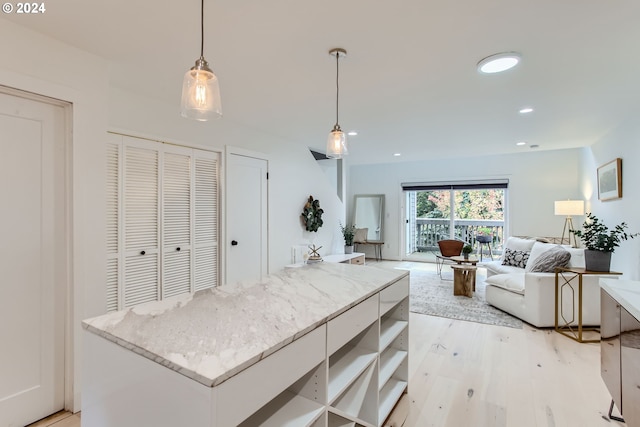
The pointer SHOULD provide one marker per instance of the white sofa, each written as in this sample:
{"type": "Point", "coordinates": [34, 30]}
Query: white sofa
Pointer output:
{"type": "Point", "coordinates": [530, 296]}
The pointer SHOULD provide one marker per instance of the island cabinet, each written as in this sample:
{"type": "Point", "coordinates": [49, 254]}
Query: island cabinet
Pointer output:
{"type": "Point", "coordinates": [324, 345]}
{"type": "Point", "coordinates": [620, 346]}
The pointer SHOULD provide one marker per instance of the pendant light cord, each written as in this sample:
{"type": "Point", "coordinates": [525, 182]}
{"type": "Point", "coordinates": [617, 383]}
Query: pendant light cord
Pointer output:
{"type": "Point", "coordinates": [202, 29]}
{"type": "Point", "coordinates": [337, 86]}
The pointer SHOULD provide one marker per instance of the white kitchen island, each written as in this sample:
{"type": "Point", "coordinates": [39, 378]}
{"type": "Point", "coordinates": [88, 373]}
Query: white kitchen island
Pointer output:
{"type": "Point", "coordinates": [323, 345]}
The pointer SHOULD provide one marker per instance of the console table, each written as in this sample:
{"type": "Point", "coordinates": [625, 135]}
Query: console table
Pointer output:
{"type": "Point", "coordinates": [353, 258]}
{"type": "Point", "coordinates": [568, 275]}
{"type": "Point", "coordinates": [322, 345]}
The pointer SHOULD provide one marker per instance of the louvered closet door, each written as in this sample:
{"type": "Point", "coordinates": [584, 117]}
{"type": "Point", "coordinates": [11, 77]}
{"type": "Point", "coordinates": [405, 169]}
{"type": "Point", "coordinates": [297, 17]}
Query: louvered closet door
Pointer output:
{"type": "Point", "coordinates": [141, 236]}
{"type": "Point", "coordinates": [206, 219]}
{"type": "Point", "coordinates": [113, 219]}
{"type": "Point", "coordinates": [176, 222]}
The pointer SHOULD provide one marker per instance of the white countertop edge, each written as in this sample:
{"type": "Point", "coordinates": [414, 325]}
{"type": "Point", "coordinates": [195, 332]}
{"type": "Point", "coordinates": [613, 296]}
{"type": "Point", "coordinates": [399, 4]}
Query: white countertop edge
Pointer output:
{"type": "Point", "coordinates": [626, 292]}
{"type": "Point", "coordinates": [212, 381]}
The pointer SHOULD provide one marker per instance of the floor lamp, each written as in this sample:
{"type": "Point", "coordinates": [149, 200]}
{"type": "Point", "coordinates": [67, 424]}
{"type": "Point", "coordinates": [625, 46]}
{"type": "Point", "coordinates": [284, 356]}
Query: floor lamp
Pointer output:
{"type": "Point", "coordinates": [569, 208]}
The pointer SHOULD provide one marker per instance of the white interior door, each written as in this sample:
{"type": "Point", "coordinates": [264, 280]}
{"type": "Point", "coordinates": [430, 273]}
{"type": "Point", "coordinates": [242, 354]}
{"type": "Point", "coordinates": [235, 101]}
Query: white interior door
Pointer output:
{"type": "Point", "coordinates": [246, 245]}
{"type": "Point", "coordinates": [32, 259]}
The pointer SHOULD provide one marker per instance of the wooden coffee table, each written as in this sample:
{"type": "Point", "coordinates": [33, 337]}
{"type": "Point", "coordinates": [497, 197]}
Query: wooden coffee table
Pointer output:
{"type": "Point", "coordinates": [463, 260]}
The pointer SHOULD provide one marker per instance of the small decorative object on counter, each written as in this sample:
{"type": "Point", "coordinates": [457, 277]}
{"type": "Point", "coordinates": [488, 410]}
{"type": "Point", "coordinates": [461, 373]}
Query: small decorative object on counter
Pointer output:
{"type": "Point", "coordinates": [600, 242]}
{"type": "Point", "coordinates": [312, 214]}
{"type": "Point", "coordinates": [314, 256]}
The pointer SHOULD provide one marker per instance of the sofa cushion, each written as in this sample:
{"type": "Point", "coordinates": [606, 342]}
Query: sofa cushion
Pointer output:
{"type": "Point", "coordinates": [513, 282]}
{"type": "Point", "coordinates": [496, 267]}
{"type": "Point", "coordinates": [538, 249]}
{"type": "Point", "coordinates": [518, 244]}
{"type": "Point", "coordinates": [515, 258]}
{"type": "Point", "coordinates": [549, 260]}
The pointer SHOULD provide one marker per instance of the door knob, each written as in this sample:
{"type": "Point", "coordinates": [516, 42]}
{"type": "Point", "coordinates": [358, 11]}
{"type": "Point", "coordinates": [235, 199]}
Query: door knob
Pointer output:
{"type": "Point", "coordinates": [234, 243]}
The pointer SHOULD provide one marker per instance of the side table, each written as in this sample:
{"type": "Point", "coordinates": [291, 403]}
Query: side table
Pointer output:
{"type": "Point", "coordinates": [464, 280]}
{"type": "Point", "coordinates": [567, 275]}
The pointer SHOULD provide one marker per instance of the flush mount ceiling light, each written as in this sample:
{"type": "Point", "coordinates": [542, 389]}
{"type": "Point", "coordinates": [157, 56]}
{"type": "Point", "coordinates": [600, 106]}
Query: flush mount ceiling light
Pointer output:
{"type": "Point", "coordinates": [337, 142]}
{"type": "Point", "coordinates": [499, 62]}
{"type": "Point", "coordinates": [200, 90]}
{"type": "Point", "coordinates": [526, 110]}
{"type": "Point", "coordinates": [521, 143]}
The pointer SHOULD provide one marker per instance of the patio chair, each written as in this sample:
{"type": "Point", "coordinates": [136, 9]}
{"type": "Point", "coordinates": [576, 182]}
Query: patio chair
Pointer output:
{"type": "Point", "coordinates": [448, 248]}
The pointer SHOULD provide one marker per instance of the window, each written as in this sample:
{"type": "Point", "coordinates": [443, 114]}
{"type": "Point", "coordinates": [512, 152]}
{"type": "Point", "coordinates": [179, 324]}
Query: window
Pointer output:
{"type": "Point", "coordinates": [461, 210]}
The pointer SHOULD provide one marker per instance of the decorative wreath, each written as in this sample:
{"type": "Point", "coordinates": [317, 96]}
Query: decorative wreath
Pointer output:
{"type": "Point", "coordinates": [312, 214]}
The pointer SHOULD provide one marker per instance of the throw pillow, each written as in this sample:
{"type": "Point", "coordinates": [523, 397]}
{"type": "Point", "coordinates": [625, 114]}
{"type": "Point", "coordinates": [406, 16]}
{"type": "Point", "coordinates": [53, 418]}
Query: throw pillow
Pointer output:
{"type": "Point", "coordinates": [515, 258]}
{"type": "Point", "coordinates": [360, 235]}
{"type": "Point", "coordinates": [537, 250]}
{"type": "Point", "coordinates": [548, 261]}
{"type": "Point", "coordinates": [518, 244]}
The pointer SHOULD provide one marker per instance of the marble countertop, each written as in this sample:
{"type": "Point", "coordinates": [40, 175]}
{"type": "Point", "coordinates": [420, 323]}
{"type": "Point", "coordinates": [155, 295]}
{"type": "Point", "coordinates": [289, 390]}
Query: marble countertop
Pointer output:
{"type": "Point", "coordinates": [626, 292]}
{"type": "Point", "coordinates": [216, 333]}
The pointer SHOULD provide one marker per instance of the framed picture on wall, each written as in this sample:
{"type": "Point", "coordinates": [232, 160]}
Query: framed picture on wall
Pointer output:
{"type": "Point", "coordinates": [610, 180]}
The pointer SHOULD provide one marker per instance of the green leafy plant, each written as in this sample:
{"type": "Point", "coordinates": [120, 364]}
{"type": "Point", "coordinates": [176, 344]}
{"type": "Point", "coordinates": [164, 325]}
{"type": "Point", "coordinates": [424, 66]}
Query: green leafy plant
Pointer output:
{"type": "Point", "coordinates": [348, 232]}
{"type": "Point", "coordinates": [312, 214]}
{"type": "Point", "coordinates": [467, 249]}
{"type": "Point", "coordinates": [484, 231]}
{"type": "Point", "coordinates": [597, 237]}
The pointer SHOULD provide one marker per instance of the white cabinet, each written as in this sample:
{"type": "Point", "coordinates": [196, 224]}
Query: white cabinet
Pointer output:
{"type": "Point", "coordinates": [366, 368]}
{"type": "Point", "coordinates": [349, 370]}
{"type": "Point", "coordinates": [162, 220]}
{"type": "Point", "coordinates": [620, 346]}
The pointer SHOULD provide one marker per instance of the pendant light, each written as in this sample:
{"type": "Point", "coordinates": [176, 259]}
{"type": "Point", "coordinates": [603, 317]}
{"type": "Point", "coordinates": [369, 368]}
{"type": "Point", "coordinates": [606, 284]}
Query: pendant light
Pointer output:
{"type": "Point", "coordinates": [200, 90]}
{"type": "Point", "coordinates": [337, 142]}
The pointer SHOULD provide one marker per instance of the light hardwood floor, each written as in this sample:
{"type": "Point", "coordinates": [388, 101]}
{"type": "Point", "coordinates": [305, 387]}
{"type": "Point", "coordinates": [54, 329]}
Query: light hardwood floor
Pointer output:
{"type": "Point", "coordinates": [471, 374]}
{"type": "Point", "coordinates": [465, 374]}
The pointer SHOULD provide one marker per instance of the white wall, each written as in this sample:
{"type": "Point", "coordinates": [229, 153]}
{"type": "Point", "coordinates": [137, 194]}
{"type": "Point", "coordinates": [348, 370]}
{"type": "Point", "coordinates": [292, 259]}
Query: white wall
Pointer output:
{"type": "Point", "coordinates": [622, 142]}
{"type": "Point", "coordinates": [294, 173]}
{"type": "Point", "coordinates": [536, 180]}
{"type": "Point", "coordinates": [34, 63]}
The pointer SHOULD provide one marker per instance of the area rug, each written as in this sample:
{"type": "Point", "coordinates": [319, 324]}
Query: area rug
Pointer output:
{"type": "Point", "coordinates": [432, 296]}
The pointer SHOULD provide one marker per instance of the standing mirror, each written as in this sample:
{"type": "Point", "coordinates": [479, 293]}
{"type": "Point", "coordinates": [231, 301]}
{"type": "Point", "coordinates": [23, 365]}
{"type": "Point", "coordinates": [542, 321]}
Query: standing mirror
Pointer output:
{"type": "Point", "coordinates": [368, 212]}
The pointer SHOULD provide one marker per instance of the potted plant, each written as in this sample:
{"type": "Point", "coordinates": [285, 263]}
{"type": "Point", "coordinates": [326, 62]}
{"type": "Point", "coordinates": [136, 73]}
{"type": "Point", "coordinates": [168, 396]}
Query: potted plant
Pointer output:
{"type": "Point", "coordinates": [348, 232]}
{"type": "Point", "coordinates": [466, 250]}
{"type": "Point", "coordinates": [600, 242]}
{"type": "Point", "coordinates": [484, 235]}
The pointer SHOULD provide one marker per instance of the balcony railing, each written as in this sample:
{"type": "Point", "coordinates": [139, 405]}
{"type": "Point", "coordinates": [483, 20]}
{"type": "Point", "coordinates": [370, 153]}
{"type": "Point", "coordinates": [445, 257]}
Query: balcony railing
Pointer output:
{"type": "Point", "coordinates": [430, 230]}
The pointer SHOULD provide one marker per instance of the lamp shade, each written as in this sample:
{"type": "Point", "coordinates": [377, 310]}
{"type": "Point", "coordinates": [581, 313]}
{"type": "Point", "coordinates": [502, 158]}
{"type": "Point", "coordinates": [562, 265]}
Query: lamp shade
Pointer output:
{"type": "Point", "coordinates": [337, 144]}
{"type": "Point", "coordinates": [200, 93]}
{"type": "Point", "coordinates": [569, 207]}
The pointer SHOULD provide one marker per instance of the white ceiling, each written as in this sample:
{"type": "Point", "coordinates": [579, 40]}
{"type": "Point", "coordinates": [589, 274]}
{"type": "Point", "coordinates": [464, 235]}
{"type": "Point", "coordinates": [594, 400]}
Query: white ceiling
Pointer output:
{"type": "Point", "coordinates": [409, 83]}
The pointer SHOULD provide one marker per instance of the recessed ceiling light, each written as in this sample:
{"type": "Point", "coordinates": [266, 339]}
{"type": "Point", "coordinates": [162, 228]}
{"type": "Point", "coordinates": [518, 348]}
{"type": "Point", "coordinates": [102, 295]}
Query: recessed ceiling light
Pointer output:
{"type": "Point", "coordinates": [526, 110]}
{"type": "Point", "coordinates": [397, 154]}
{"type": "Point", "coordinates": [352, 133]}
{"type": "Point", "coordinates": [521, 143]}
{"type": "Point", "coordinates": [499, 62]}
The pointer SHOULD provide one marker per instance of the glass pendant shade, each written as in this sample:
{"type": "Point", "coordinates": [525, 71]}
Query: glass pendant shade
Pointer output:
{"type": "Point", "coordinates": [337, 144]}
{"type": "Point", "coordinates": [337, 141]}
{"type": "Point", "coordinates": [200, 93]}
